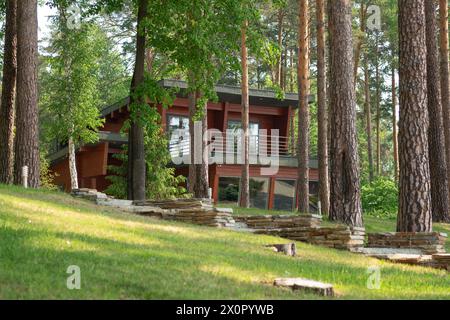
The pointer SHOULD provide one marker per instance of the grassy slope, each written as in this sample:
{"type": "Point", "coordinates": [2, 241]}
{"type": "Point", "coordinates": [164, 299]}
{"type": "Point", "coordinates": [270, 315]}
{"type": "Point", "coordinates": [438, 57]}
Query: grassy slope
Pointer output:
{"type": "Point", "coordinates": [129, 257]}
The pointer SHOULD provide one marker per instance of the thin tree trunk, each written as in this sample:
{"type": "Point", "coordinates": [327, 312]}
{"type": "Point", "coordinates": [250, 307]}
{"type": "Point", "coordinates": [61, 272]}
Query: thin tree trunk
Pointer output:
{"type": "Point", "coordinates": [283, 82]}
{"type": "Point", "coordinates": [292, 71]}
{"type": "Point", "coordinates": [149, 58]}
{"type": "Point", "coordinates": [360, 40]}
{"type": "Point", "coordinates": [438, 164]}
{"type": "Point", "coordinates": [444, 71]}
{"type": "Point", "coordinates": [394, 125]}
{"type": "Point", "coordinates": [136, 157]}
{"type": "Point", "coordinates": [280, 45]}
{"type": "Point", "coordinates": [7, 106]}
{"type": "Point", "coordinates": [245, 175]}
{"type": "Point", "coordinates": [368, 112]}
{"type": "Point", "coordinates": [322, 114]}
{"type": "Point", "coordinates": [192, 111]}
{"type": "Point", "coordinates": [329, 85]}
{"type": "Point", "coordinates": [27, 117]}
{"type": "Point", "coordinates": [303, 111]}
{"type": "Point", "coordinates": [415, 197]}
{"type": "Point", "coordinates": [378, 97]}
{"type": "Point", "coordinates": [73, 165]}
{"type": "Point", "coordinates": [201, 187]}
{"type": "Point", "coordinates": [345, 198]}
{"type": "Point", "coordinates": [292, 142]}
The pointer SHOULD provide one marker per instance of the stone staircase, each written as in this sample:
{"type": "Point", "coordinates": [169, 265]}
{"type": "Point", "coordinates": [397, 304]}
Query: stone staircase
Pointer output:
{"type": "Point", "coordinates": [425, 249]}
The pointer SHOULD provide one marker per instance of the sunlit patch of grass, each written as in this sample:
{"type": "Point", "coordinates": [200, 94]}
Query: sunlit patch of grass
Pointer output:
{"type": "Point", "coordinates": [123, 256]}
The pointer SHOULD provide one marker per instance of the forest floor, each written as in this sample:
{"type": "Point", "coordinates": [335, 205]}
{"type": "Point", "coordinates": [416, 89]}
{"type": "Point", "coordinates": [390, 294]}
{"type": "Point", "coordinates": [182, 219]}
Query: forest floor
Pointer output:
{"type": "Point", "coordinates": [123, 256]}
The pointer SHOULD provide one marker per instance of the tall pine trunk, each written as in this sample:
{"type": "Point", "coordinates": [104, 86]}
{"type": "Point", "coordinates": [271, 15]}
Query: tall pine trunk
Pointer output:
{"type": "Point", "coordinates": [368, 113]}
{"type": "Point", "coordinates": [7, 106]}
{"type": "Point", "coordinates": [415, 197]}
{"type": "Point", "coordinates": [136, 149]}
{"type": "Point", "coordinates": [27, 117]}
{"type": "Point", "coordinates": [345, 198]}
{"type": "Point", "coordinates": [444, 72]}
{"type": "Point", "coordinates": [245, 175]}
{"type": "Point", "coordinates": [303, 111]}
{"type": "Point", "coordinates": [322, 114]}
{"type": "Point", "coordinates": [436, 140]}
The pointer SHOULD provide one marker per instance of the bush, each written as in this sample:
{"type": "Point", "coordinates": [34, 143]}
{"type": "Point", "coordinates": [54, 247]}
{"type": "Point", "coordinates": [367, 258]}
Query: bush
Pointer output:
{"type": "Point", "coordinates": [380, 198]}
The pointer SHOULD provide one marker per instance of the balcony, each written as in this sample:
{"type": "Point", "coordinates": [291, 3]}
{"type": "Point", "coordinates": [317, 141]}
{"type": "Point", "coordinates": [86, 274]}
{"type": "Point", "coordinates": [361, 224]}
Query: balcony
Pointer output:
{"type": "Point", "coordinates": [264, 150]}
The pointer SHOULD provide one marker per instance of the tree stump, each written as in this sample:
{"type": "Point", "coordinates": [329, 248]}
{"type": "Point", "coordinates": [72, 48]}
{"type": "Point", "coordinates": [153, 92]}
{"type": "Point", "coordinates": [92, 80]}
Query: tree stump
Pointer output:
{"type": "Point", "coordinates": [289, 249]}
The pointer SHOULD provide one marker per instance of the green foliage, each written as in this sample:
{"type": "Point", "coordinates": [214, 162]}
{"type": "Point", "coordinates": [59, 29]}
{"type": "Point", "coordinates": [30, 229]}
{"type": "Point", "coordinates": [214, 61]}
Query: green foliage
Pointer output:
{"type": "Point", "coordinates": [70, 100]}
{"type": "Point", "coordinates": [380, 198]}
{"type": "Point", "coordinates": [161, 180]}
{"type": "Point", "coordinates": [47, 176]}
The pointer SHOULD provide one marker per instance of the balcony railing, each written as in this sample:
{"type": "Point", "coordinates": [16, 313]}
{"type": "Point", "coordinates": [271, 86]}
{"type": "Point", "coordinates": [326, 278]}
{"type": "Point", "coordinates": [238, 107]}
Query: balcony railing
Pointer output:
{"type": "Point", "coordinates": [259, 146]}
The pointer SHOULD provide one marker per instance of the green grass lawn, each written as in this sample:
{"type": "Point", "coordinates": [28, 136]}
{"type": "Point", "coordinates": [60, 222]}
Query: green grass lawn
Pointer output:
{"type": "Point", "coordinates": [129, 257]}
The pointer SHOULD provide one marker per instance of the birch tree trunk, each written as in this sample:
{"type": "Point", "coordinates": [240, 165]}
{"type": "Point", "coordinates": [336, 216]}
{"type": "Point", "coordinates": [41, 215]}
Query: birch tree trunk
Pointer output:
{"type": "Point", "coordinates": [192, 111]}
{"type": "Point", "coordinates": [73, 165]}
{"type": "Point", "coordinates": [201, 187]}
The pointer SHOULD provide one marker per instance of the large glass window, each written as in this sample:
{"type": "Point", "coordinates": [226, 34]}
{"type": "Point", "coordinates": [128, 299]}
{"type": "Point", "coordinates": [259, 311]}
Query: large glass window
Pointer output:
{"type": "Point", "coordinates": [284, 195]}
{"type": "Point", "coordinates": [229, 190]}
{"type": "Point", "coordinates": [259, 193]}
{"type": "Point", "coordinates": [314, 196]}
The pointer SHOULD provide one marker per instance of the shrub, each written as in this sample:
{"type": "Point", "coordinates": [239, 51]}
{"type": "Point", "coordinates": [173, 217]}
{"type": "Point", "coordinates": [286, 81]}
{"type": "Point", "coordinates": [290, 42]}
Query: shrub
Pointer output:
{"type": "Point", "coordinates": [380, 198]}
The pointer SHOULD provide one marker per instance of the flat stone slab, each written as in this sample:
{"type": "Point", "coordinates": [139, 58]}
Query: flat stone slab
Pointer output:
{"type": "Point", "coordinates": [387, 251]}
{"type": "Point", "coordinates": [442, 258]}
{"type": "Point", "coordinates": [114, 203]}
{"type": "Point", "coordinates": [305, 285]}
{"type": "Point", "coordinates": [224, 210]}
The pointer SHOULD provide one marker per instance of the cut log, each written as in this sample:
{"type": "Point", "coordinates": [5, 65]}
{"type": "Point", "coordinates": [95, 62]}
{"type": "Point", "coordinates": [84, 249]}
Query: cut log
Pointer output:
{"type": "Point", "coordinates": [305, 285]}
